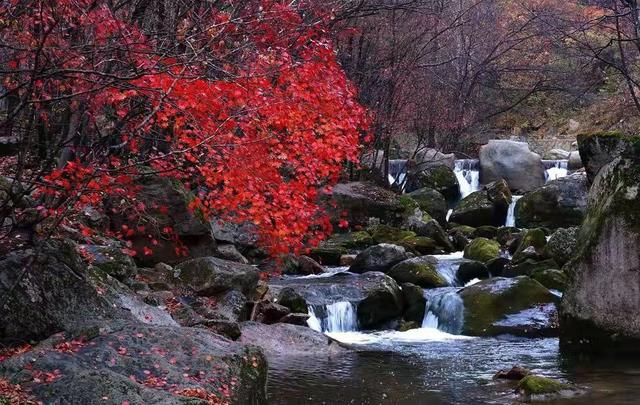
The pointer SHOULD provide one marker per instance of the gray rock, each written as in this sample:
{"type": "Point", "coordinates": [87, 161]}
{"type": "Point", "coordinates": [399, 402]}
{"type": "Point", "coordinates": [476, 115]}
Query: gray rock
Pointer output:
{"type": "Point", "coordinates": [575, 161]}
{"type": "Point", "coordinates": [488, 206]}
{"type": "Point", "coordinates": [440, 178]}
{"type": "Point", "coordinates": [603, 291]}
{"type": "Point", "coordinates": [562, 244]}
{"type": "Point", "coordinates": [432, 202]}
{"type": "Point", "coordinates": [231, 253]}
{"type": "Point", "coordinates": [361, 201]}
{"type": "Point", "coordinates": [209, 276]}
{"type": "Point", "coordinates": [600, 148]}
{"type": "Point", "coordinates": [378, 258]}
{"type": "Point", "coordinates": [122, 366]}
{"type": "Point", "coordinates": [512, 161]}
{"type": "Point", "coordinates": [560, 203]}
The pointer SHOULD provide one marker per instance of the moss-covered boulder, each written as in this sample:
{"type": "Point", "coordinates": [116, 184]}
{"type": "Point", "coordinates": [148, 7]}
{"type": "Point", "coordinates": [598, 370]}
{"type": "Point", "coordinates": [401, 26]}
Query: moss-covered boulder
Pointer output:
{"type": "Point", "coordinates": [600, 148]}
{"type": "Point", "coordinates": [604, 287]}
{"type": "Point", "coordinates": [563, 244]}
{"type": "Point", "coordinates": [485, 231]}
{"type": "Point", "coordinates": [488, 206]}
{"type": "Point", "coordinates": [432, 202]}
{"type": "Point", "coordinates": [528, 266]}
{"type": "Point", "coordinates": [532, 243]}
{"type": "Point", "coordinates": [533, 385]}
{"type": "Point", "coordinates": [289, 298]}
{"type": "Point", "coordinates": [380, 257]}
{"type": "Point", "coordinates": [420, 271]}
{"type": "Point", "coordinates": [414, 303]}
{"type": "Point", "coordinates": [420, 245]}
{"type": "Point", "coordinates": [482, 250]}
{"type": "Point", "coordinates": [463, 230]}
{"type": "Point", "coordinates": [328, 255]}
{"type": "Point", "coordinates": [440, 178]}
{"type": "Point", "coordinates": [470, 270]}
{"type": "Point", "coordinates": [518, 306]}
{"type": "Point", "coordinates": [389, 234]}
{"type": "Point", "coordinates": [352, 240]}
{"type": "Point", "coordinates": [551, 278]}
{"type": "Point", "coordinates": [433, 230]}
{"type": "Point", "coordinates": [560, 203]}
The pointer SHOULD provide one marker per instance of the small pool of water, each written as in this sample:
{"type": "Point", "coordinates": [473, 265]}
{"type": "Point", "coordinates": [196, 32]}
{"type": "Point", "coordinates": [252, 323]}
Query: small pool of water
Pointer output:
{"type": "Point", "coordinates": [435, 368]}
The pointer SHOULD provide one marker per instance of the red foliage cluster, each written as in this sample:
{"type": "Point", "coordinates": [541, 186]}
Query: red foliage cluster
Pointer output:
{"type": "Point", "coordinates": [255, 122]}
{"type": "Point", "coordinates": [14, 351]}
{"type": "Point", "coordinates": [14, 394]}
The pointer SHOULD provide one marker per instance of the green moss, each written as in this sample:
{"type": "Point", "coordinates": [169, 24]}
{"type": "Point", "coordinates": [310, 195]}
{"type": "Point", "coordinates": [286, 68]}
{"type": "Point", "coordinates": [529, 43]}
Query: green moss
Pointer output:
{"type": "Point", "coordinates": [536, 385]}
{"type": "Point", "coordinates": [352, 240]}
{"type": "Point", "coordinates": [419, 271]}
{"type": "Point", "coordinates": [491, 300]}
{"type": "Point", "coordinates": [464, 230]}
{"type": "Point", "coordinates": [551, 278]}
{"type": "Point", "coordinates": [419, 244]}
{"type": "Point", "coordinates": [535, 238]}
{"type": "Point", "coordinates": [389, 234]}
{"type": "Point", "coordinates": [482, 250]}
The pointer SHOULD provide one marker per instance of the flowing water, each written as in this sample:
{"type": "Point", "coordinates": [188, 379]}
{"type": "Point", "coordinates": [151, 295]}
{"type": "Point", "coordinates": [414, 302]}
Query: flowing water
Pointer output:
{"type": "Point", "coordinates": [434, 364]}
{"type": "Point", "coordinates": [467, 172]}
{"type": "Point", "coordinates": [555, 169]}
{"type": "Point", "coordinates": [511, 213]}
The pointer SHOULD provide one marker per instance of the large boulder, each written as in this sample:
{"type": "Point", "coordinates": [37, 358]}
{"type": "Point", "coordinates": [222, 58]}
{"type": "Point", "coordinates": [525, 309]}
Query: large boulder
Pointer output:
{"type": "Point", "coordinates": [488, 206]}
{"type": "Point", "coordinates": [55, 290]}
{"type": "Point", "coordinates": [283, 339]}
{"type": "Point", "coordinates": [379, 258]}
{"type": "Point", "coordinates": [209, 276]}
{"type": "Point", "coordinates": [482, 250]}
{"type": "Point", "coordinates": [563, 244]}
{"type": "Point", "coordinates": [603, 293]}
{"type": "Point", "coordinates": [560, 203]}
{"type": "Point", "coordinates": [431, 157]}
{"type": "Point", "coordinates": [440, 178]}
{"type": "Point", "coordinates": [512, 161]}
{"type": "Point", "coordinates": [600, 148]}
{"type": "Point", "coordinates": [375, 296]}
{"type": "Point", "coordinates": [141, 364]}
{"type": "Point", "coordinates": [361, 201]}
{"type": "Point", "coordinates": [432, 202]}
{"type": "Point", "coordinates": [420, 271]}
{"type": "Point", "coordinates": [518, 306]}
{"type": "Point", "coordinates": [168, 204]}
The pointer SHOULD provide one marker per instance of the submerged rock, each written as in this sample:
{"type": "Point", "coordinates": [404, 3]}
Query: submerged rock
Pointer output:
{"type": "Point", "coordinates": [535, 385]}
{"type": "Point", "coordinates": [516, 373]}
{"type": "Point", "coordinates": [482, 250]}
{"type": "Point", "coordinates": [488, 206]}
{"type": "Point", "coordinates": [518, 306]}
{"type": "Point", "coordinates": [560, 203]}
{"type": "Point", "coordinates": [379, 258]}
{"type": "Point", "coordinates": [141, 364]}
{"type": "Point", "coordinates": [420, 271]}
{"type": "Point", "coordinates": [512, 161]}
{"type": "Point", "coordinates": [604, 287]}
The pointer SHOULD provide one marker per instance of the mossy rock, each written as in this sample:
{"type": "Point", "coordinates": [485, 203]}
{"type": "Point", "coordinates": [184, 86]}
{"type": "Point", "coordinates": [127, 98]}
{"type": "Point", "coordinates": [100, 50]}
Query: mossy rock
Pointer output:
{"type": "Point", "coordinates": [489, 303]}
{"type": "Point", "coordinates": [408, 325]}
{"type": "Point", "coordinates": [432, 202]}
{"type": "Point", "coordinates": [551, 278]}
{"type": "Point", "coordinates": [485, 231]}
{"type": "Point", "coordinates": [535, 238]}
{"type": "Point", "coordinates": [463, 229]}
{"type": "Point", "coordinates": [597, 149]}
{"type": "Point", "coordinates": [389, 234]}
{"type": "Point", "coordinates": [420, 271]}
{"type": "Point", "coordinates": [528, 267]}
{"type": "Point", "coordinates": [488, 206]}
{"type": "Point", "coordinates": [536, 385]}
{"type": "Point", "coordinates": [328, 255]}
{"type": "Point", "coordinates": [289, 298]}
{"type": "Point", "coordinates": [482, 250]}
{"type": "Point", "coordinates": [419, 244]}
{"type": "Point", "coordinates": [352, 240]}
{"type": "Point", "coordinates": [506, 234]}
{"type": "Point", "coordinates": [440, 178]}
{"type": "Point", "coordinates": [414, 302]}
{"type": "Point", "coordinates": [470, 270]}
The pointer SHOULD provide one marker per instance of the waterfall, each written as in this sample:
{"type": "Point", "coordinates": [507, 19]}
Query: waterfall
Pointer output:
{"type": "Point", "coordinates": [555, 169]}
{"type": "Point", "coordinates": [336, 317]}
{"type": "Point", "coordinates": [397, 172]}
{"type": "Point", "coordinates": [511, 213]}
{"type": "Point", "coordinates": [468, 175]}
{"type": "Point", "coordinates": [444, 310]}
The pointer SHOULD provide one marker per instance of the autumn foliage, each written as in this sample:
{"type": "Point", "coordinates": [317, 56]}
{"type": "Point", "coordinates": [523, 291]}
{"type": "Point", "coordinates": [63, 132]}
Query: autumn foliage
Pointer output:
{"type": "Point", "coordinates": [243, 103]}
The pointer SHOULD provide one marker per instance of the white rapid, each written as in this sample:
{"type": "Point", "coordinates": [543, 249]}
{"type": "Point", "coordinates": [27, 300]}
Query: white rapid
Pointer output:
{"type": "Point", "coordinates": [511, 213]}
{"type": "Point", "coordinates": [555, 169]}
{"type": "Point", "coordinates": [336, 317]}
{"type": "Point", "coordinates": [468, 175]}
{"type": "Point", "coordinates": [444, 310]}
{"type": "Point", "coordinates": [448, 266]}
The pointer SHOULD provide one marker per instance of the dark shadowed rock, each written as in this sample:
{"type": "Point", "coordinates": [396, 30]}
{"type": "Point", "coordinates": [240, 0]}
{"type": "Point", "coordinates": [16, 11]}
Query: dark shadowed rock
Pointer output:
{"type": "Point", "coordinates": [361, 201]}
{"type": "Point", "coordinates": [440, 178]}
{"type": "Point", "coordinates": [269, 312]}
{"type": "Point", "coordinates": [600, 148]}
{"type": "Point", "coordinates": [512, 161]}
{"type": "Point", "coordinates": [516, 373]}
{"type": "Point", "coordinates": [210, 276]}
{"type": "Point", "coordinates": [378, 258]}
{"type": "Point", "coordinates": [488, 206]}
{"type": "Point", "coordinates": [143, 364]}
{"type": "Point", "coordinates": [604, 286]}
{"type": "Point", "coordinates": [414, 301]}
{"type": "Point", "coordinates": [470, 270]}
{"type": "Point", "coordinates": [292, 300]}
{"type": "Point", "coordinates": [231, 253]}
{"type": "Point", "coordinates": [560, 203]}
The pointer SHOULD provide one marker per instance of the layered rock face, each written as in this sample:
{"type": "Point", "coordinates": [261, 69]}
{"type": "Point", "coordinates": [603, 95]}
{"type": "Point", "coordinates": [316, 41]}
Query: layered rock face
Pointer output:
{"type": "Point", "coordinates": [600, 148]}
{"type": "Point", "coordinates": [600, 306]}
{"type": "Point", "coordinates": [512, 161]}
